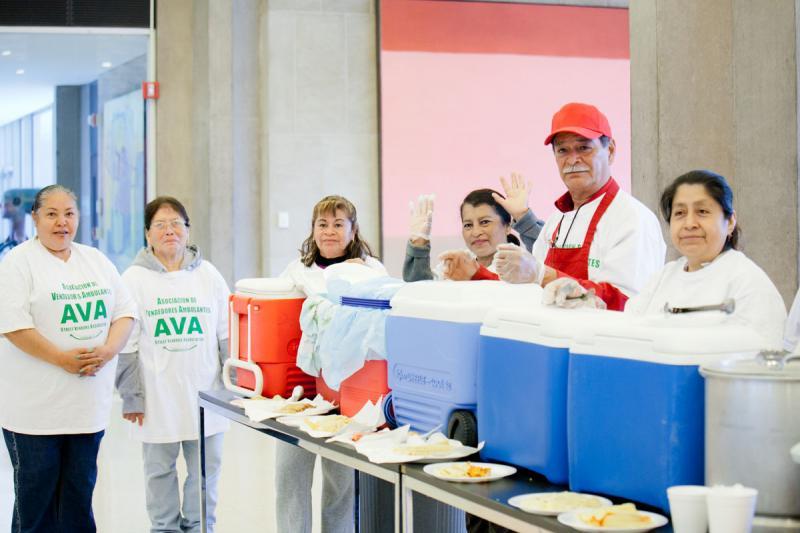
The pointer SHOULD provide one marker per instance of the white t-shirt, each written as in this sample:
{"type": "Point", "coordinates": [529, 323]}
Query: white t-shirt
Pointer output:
{"type": "Point", "coordinates": [627, 250]}
{"type": "Point", "coordinates": [730, 275]}
{"type": "Point", "coordinates": [72, 304]}
{"type": "Point", "coordinates": [310, 279]}
{"type": "Point", "coordinates": [183, 314]}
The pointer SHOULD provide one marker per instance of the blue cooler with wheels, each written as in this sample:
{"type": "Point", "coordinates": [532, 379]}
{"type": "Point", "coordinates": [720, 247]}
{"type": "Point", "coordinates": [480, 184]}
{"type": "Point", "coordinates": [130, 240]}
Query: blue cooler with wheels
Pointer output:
{"type": "Point", "coordinates": [636, 402]}
{"type": "Point", "coordinates": [522, 386]}
{"type": "Point", "coordinates": [432, 340]}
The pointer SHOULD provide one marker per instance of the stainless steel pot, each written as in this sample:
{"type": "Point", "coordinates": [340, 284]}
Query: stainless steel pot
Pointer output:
{"type": "Point", "coordinates": [752, 419]}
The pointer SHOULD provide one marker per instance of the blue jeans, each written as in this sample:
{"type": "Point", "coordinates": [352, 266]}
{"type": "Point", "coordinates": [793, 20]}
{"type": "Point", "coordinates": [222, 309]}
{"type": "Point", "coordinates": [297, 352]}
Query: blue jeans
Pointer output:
{"type": "Point", "coordinates": [54, 477]}
{"type": "Point", "coordinates": [167, 515]}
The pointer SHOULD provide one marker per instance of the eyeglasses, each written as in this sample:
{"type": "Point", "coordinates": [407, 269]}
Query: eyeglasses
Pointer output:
{"type": "Point", "coordinates": [176, 224]}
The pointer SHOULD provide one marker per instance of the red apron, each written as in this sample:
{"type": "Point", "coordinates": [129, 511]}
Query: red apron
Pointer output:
{"type": "Point", "coordinates": [574, 262]}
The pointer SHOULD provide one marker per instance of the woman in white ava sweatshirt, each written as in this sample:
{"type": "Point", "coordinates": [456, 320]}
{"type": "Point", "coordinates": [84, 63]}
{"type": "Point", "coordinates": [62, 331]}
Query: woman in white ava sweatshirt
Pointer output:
{"type": "Point", "coordinates": [175, 351]}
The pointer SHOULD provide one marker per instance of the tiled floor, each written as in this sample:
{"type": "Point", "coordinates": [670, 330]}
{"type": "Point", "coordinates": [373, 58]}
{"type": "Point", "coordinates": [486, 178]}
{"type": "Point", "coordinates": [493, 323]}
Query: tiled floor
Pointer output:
{"type": "Point", "coordinates": [246, 495]}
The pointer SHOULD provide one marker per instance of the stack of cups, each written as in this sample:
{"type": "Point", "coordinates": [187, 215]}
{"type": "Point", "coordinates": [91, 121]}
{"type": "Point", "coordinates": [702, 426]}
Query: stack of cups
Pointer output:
{"type": "Point", "coordinates": [696, 509]}
{"type": "Point", "coordinates": [731, 509]}
{"type": "Point", "coordinates": [687, 505]}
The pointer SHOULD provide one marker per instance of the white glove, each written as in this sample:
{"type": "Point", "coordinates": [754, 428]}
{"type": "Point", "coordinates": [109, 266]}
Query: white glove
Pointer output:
{"type": "Point", "coordinates": [517, 265]}
{"type": "Point", "coordinates": [569, 294]}
{"type": "Point", "coordinates": [421, 216]}
{"type": "Point", "coordinates": [459, 265]}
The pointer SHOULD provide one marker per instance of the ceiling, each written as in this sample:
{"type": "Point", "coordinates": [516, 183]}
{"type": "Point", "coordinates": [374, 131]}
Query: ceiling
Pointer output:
{"type": "Point", "coordinates": [51, 57]}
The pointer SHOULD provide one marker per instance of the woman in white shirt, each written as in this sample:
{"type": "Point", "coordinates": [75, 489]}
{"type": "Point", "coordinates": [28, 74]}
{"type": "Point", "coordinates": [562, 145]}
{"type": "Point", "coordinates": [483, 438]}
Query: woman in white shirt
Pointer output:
{"type": "Point", "coordinates": [334, 238]}
{"type": "Point", "coordinates": [64, 317]}
{"type": "Point", "coordinates": [702, 223]}
{"type": "Point", "coordinates": [176, 350]}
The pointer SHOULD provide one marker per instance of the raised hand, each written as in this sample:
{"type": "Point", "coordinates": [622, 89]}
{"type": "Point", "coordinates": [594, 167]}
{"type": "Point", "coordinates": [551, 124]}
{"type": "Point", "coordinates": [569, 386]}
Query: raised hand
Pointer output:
{"type": "Point", "coordinates": [517, 193]}
{"type": "Point", "coordinates": [421, 217]}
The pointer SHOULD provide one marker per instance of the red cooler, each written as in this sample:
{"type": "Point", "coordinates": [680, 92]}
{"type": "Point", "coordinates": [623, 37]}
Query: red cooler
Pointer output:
{"type": "Point", "coordinates": [264, 324]}
{"type": "Point", "coordinates": [326, 392]}
{"type": "Point", "coordinates": [368, 384]}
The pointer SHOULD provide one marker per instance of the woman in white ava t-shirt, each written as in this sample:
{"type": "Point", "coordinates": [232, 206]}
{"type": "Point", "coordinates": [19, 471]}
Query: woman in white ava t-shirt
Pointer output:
{"type": "Point", "coordinates": [176, 350]}
{"type": "Point", "coordinates": [65, 314]}
{"type": "Point", "coordinates": [334, 239]}
{"type": "Point", "coordinates": [702, 224]}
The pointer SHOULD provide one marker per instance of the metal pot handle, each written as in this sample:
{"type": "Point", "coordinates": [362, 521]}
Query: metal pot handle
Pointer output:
{"type": "Point", "coordinates": [791, 357]}
{"type": "Point", "coordinates": [776, 359]}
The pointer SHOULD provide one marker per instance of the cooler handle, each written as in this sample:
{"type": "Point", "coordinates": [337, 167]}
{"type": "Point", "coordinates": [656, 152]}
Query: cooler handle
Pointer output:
{"type": "Point", "coordinates": [244, 365]}
{"type": "Point", "coordinates": [233, 357]}
{"type": "Point", "coordinates": [233, 333]}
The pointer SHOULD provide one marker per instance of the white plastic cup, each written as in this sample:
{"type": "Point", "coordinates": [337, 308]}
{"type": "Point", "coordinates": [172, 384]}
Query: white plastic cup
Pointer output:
{"type": "Point", "coordinates": [688, 508]}
{"type": "Point", "coordinates": [731, 509]}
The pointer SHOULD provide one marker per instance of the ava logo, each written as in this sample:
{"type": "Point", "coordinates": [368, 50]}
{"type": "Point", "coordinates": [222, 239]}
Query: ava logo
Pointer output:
{"type": "Point", "coordinates": [77, 312]}
{"type": "Point", "coordinates": [174, 326]}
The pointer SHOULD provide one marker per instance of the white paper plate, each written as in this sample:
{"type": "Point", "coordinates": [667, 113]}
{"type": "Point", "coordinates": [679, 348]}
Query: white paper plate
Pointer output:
{"type": "Point", "coordinates": [527, 502]}
{"type": "Point", "coordinates": [316, 410]}
{"type": "Point", "coordinates": [291, 421]}
{"type": "Point", "coordinates": [496, 472]}
{"type": "Point", "coordinates": [571, 519]}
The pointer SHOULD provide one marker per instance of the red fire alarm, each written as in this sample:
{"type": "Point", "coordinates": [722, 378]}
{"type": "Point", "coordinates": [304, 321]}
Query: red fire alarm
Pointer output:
{"type": "Point", "coordinates": [150, 90]}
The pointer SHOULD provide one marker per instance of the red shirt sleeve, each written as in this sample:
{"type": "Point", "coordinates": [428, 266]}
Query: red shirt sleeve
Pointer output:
{"type": "Point", "coordinates": [613, 297]}
{"type": "Point", "coordinates": [484, 273]}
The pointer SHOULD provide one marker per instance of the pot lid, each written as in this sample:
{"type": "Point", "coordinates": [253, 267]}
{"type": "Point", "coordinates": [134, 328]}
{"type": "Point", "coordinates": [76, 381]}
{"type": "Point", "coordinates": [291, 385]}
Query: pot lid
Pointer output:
{"type": "Point", "coordinates": [777, 365]}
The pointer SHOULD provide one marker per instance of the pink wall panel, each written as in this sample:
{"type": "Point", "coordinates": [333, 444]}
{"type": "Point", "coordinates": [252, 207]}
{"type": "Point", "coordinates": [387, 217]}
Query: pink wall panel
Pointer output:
{"type": "Point", "coordinates": [467, 93]}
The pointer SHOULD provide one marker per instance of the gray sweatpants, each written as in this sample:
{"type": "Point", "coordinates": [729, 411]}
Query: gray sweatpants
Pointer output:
{"type": "Point", "coordinates": [167, 515]}
{"type": "Point", "coordinates": [294, 472]}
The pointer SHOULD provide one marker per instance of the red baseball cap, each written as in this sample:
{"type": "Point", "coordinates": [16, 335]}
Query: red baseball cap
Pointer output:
{"type": "Point", "coordinates": [582, 119]}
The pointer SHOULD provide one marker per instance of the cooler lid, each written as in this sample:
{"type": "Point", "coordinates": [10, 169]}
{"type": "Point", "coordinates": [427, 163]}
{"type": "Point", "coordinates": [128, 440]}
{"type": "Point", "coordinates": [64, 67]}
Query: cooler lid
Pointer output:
{"type": "Point", "coordinates": [547, 325]}
{"type": "Point", "coordinates": [462, 301]}
{"type": "Point", "coordinates": [769, 365]}
{"type": "Point", "coordinates": [268, 288]}
{"type": "Point", "coordinates": [673, 340]}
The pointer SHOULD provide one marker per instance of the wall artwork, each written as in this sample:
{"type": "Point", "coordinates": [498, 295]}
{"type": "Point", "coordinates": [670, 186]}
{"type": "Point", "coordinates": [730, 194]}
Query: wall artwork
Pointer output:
{"type": "Point", "coordinates": [122, 186]}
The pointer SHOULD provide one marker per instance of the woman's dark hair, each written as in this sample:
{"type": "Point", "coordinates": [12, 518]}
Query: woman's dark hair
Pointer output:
{"type": "Point", "coordinates": [716, 186]}
{"type": "Point", "coordinates": [358, 247]}
{"type": "Point", "coordinates": [152, 208]}
{"type": "Point", "coordinates": [44, 192]}
{"type": "Point", "coordinates": [484, 197]}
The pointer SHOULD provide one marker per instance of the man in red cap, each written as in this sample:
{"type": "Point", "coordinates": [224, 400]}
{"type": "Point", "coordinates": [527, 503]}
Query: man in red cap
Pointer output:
{"type": "Point", "coordinates": [601, 239]}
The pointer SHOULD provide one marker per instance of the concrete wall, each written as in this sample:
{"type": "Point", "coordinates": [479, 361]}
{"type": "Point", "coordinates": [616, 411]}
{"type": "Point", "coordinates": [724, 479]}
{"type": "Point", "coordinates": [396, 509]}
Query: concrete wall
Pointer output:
{"type": "Point", "coordinates": [266, 107]}
{"type": "Point", "coordinates": [713, 85]}
{"type": "Point", "coordinates": [321, 129]}
{"type": "Point", "coordinates": [208, 126]}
